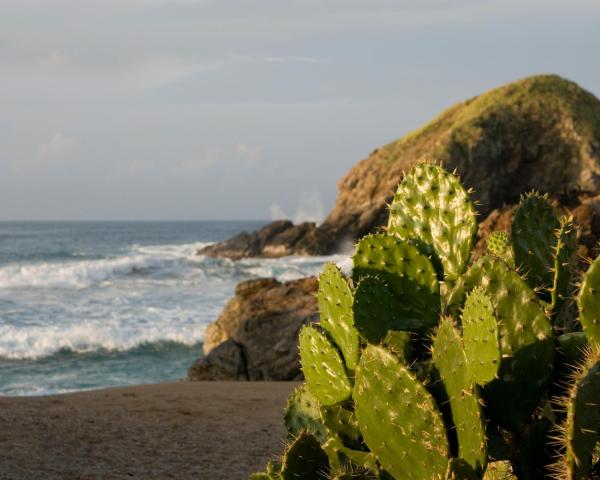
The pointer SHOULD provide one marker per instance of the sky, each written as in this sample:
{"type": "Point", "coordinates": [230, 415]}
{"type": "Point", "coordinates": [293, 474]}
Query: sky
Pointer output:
{"type": "Point", "coordinates": [246, 109]}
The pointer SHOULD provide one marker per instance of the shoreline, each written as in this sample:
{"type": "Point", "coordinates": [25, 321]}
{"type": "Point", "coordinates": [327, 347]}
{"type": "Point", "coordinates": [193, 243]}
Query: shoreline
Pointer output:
{"type": "Point", "coordinates": [213, 430]}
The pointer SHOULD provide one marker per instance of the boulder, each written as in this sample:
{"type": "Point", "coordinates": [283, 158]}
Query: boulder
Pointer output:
{"type": "Point", "coordinates": [256, 335]}
{"type": "Point", "coordinates": [542, 132]}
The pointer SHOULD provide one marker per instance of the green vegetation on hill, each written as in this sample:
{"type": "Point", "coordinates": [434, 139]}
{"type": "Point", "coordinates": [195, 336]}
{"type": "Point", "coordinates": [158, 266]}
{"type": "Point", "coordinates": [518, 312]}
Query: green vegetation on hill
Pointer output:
{"type": "Point", "coordinates": [547, 101]}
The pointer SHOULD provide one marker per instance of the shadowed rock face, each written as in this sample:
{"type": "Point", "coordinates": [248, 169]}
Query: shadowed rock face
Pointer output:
{"type": "Point", "coordinates": [541, 133]}
{"type": "Point", "coordinates": [256, 335]}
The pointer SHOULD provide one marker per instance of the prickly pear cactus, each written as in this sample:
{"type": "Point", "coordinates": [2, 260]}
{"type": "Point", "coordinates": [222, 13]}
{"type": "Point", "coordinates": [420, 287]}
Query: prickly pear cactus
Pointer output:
{"type": "Point", "coordinates": [398, 418]}
{"type": "Point", "coordinates": [410, 377]}
{"type": "Point", "coordinates": [305, 460]}
{"type": "Point", "coordinates": [581, 430]}
{"type": "Point", "coordinates": [431, 205]}
{"type": "Point", "coordinates": [303, 414]}
{"type": "Point", "coordinates": [377, 310]}
{"type": "Point", "coordinates": [323, 367]}
{"type": "Point", "coordinates": [564, 263]}
{"type": "Point", "coordinates": [526, 339]}
{"type": "Point", "coordinates": [467, 415]}
{"type": "Point", "coordinates": [335, 310]}
{"type": "Point", "coordinates": [588, 302]}
{"type": "Point", "coordinates": [481, 337]}
{"type": "Point", "coordinates": [409, 275]}
{"type": "Point", "coordinates": [498, 243]}
{"type": "Point", "coordinates": [534, 239]}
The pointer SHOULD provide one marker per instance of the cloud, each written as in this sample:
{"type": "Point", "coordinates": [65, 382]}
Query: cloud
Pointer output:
{"type": "Point", "coordinates": [199, 163]}
{"type": "Point", "coordinates": [248, 156]}
{"type": "Point", "coordinates": [57, 144]}
{"type": "Point", "coordinates": [319, 61]}
{"type": "Point", "coordinates": [57, 59]}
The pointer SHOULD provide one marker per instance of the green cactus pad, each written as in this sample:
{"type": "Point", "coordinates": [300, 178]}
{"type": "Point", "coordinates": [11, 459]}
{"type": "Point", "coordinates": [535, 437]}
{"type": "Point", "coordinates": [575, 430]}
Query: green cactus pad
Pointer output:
{"type": "Point", "coordinates": [501, 470]}
{"type": "Point", "coordinates": [498, 243]}
{"type": "Point", "coordinates": [588, 302]}
{"type": "Point", "coordinates": [305, 460]}
{"type": "Point", "coordinates": [564, 263]}
{"type": "Point", "coordinates": [398, 418]}
{"type": "Point", "coordinates": [303, 413]}
{"type": "Point", "coordinates": [480, 333]}
{"type": "Point", "coordinates": [343, 458]}
{"type": "Point", "coordinates": [458, 469]}
{"type": "Point", "coordinates": [399, 343]}
{"type": "Point", "coordinates": [335, 311]}
{"type": "Point", "coordinates": [431, 204]}
{"type": "Point", "coordinates": [376, 310]}
{"type": "Point", "coordinates": [409, 275]}
{"type": "Point", "coordinates": [342, 422]}
{"type": "Point", "coordinates": [533, 237]}
{"type": "Point", "coordinates": [526, 339]}
{"type": "Point", "coordinates": [451, 362]}
{"type": "Point", "coordinates": [323, 367]}
{"type": "Point", "coordinates": [582, 427]}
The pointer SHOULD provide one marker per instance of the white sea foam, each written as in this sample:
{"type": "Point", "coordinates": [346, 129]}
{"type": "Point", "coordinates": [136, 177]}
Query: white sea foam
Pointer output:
{"type": "Point", "coordinates": [88, 336]}
{"type": "Point", "coordinates": [83, 273]}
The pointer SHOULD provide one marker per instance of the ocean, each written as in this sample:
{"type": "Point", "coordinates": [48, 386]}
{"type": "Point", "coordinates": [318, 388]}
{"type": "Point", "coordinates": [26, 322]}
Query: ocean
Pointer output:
{"type": "Point", "coordinates": [88, 305]}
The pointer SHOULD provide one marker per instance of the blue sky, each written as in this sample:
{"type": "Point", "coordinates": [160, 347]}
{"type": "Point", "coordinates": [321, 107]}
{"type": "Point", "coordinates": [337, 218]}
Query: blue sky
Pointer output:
{"type": "Point", "coordinates": [157, 109]}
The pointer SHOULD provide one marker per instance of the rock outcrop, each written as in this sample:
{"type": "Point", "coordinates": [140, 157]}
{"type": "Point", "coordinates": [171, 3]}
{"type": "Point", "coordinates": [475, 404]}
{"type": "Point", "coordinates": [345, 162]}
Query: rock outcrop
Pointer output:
{"type": "Point", "coordinates": [541, 133]}
{"type": "Point", "coordinates": [256, 335]}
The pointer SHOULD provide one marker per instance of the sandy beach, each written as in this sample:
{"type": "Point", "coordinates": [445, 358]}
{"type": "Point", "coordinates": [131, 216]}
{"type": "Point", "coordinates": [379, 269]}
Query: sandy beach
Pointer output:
{"type": "Point", "coordinates": [183, 430]}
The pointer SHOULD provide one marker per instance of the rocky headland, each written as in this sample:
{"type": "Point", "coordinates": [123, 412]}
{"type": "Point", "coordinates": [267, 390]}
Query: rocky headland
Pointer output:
{"type": "Point", "coordinates": [541, 133]}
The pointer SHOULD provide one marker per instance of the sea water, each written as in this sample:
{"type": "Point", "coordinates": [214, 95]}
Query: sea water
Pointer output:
{"type": "Point", "coordinates": [96, 304]}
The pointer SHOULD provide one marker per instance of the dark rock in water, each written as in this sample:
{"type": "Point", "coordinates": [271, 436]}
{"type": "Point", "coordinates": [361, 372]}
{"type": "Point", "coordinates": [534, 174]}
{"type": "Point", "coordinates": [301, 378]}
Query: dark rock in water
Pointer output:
{"type": "Point", "coordinates": [226, 363]}
{"type": "Point", "coordinates": [256, 335]}
{"type": "Point", "coordinates": [541, 133]}
{"type": "Point", "coordinates": [276, 239]}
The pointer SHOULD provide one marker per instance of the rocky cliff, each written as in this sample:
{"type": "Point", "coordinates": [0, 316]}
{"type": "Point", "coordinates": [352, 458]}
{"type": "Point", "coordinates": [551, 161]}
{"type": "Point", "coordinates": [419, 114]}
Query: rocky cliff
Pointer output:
{"type": "Point", "coordinates": [542, 132]}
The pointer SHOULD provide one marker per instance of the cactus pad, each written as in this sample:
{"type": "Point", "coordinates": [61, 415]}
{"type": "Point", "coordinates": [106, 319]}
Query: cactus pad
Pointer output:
{"type": "Point", "coordinates": [480, 333]}
{"type": "Point", "coordinates": [450, 359]}
{"type": "Point", "coordinates": [526, 339]}
{"type": "Point", "coordinates": [342, 458]}
{"type": "Point", "coordinates": [323, 367]}
{"type": "Point", "coordinates": [335, 311]}
{"type": "Point", "coordinates": [588, 302]}
{"type": "Point", "coordinates": [431, 204]}
{"type": "Point", "coordinates": [342, 422]}
{"type": "Point", "coordinates": [305, 460]}
{"type": "Point", "coordinates": [533, 237]}
{"type": "Point", "coordinates": [398, 418]}
{"type": "Point", "coordinates": [582, 427]}
{"type": "Point", "coordinates": [399, 344]}
{"type": "Point", "coordinates": [376, 310]}
{"type": "Point", "coordinates": [564, 263]}
{"type": "Point", "coordinates": [303, 413]}
{"type": "Point", "coordinates": [498, 243]}
{"type": "Point", "coordinates": [408, 273]}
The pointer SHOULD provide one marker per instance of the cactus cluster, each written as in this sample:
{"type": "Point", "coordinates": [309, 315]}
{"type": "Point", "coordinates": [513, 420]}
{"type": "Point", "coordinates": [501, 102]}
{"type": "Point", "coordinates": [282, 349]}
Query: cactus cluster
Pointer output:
{"type": "Point", "coordinates": [427, 365]}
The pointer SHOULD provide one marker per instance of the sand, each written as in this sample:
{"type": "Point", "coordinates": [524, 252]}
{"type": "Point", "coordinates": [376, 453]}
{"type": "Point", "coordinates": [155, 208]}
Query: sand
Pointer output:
{"type": "Point", "coordinates": [183, 430]}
